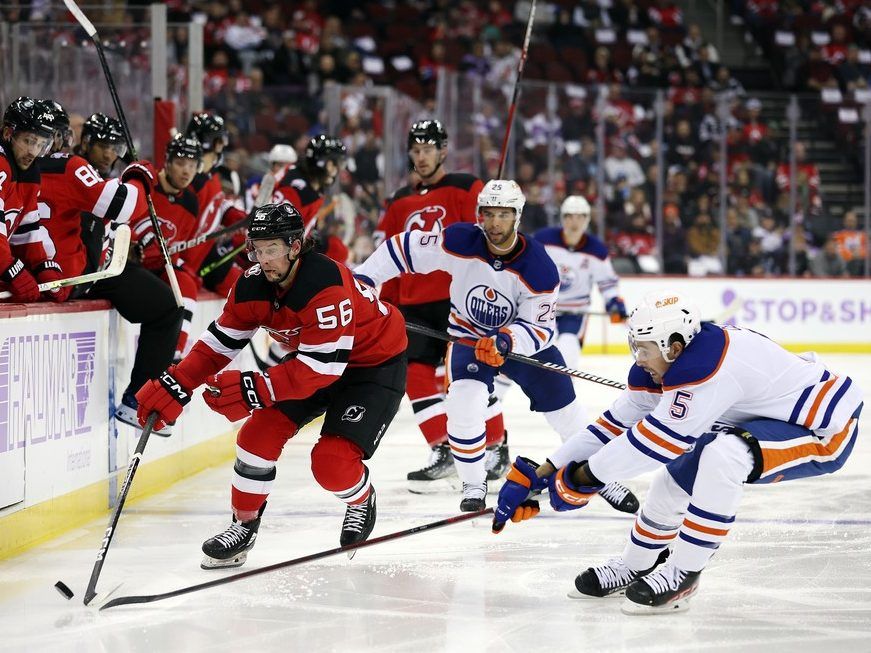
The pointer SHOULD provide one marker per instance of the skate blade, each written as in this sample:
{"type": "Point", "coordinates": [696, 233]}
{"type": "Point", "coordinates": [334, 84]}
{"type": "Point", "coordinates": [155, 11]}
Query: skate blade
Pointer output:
{"type": "Point", "coordinates": [213, 563]}
{"type": "Point", "coordinates": [576, 595]}
{"type": "Point", "coordinates": [681, 605]}
{"type": "Point", "coordinates": [440, 485]}
{"type": "Point", "coordinates": [351, 554]}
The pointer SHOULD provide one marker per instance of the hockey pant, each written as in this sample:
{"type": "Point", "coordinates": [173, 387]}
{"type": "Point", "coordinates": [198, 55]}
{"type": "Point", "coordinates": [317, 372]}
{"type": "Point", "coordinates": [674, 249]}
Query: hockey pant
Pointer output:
{"type": "Point", "coordinates": [336, 463]}
{"type": "Point", "coordinates": [469, 389]}
{"type": "Point", "coordinates": [692, 502]}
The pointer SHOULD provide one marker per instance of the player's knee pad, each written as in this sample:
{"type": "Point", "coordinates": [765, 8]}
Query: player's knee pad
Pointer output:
{"type": "Point", "coordinates": [265, 432]}
{"type": "Point", "coordinates": [569, 420]}
{"type": "Point", "coordinates": [466, 405]}
{"type": "Point", "coordinates": [336, 463]}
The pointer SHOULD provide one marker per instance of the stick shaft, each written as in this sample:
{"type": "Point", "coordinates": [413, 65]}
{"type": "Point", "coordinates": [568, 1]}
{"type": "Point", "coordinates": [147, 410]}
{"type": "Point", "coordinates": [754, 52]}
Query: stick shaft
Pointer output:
{"type": "Point", "coordinates": [91, 591]}
{"type": "Point", "coordinates": [516, 90]}
{"type": "Point", "coordinates": [520, 358]}
{"type": "Point", "coordinates": [149, 598]}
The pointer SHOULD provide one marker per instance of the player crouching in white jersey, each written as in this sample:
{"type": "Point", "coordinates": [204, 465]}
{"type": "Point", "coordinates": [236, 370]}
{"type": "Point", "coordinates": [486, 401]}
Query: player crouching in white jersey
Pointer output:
{"type": "Point", "coordinates": [502, 293]}
{"type": "Point", "coordinates": [711, 408]}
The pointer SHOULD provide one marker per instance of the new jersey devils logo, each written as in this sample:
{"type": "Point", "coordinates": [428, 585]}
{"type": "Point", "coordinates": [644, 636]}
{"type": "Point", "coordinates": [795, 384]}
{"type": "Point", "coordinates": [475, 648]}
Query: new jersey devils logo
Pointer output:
{"type": "Point", "coordinates": [488, 308]}
{"type": "Point", "coordinates": [167, 228]}
{"type": "Point", "coordinates": [353, 414]}
{"type": "Point", "coordinates": [428, 218]}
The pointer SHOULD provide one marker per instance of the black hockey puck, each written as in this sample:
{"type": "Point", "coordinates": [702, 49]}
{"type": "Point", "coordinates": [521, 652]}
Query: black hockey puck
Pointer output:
{"type": "Point", "coordinates": [64, 591]}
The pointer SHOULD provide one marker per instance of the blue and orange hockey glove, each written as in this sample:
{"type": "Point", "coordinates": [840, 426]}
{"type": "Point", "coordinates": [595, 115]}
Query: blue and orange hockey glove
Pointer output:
{"type": "Point", "coordinates": [514, 498]}
{"type": "Point", "coordinates": [565, 494]}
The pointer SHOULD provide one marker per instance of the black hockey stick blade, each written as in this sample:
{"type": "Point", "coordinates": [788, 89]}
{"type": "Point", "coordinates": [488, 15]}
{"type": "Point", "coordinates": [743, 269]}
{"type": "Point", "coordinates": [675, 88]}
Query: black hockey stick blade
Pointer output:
{"type": "Point", "coordinates": [553, 367]}
{"type": "Point", "coordinates": [150, 598]}
{"type": "Point", "coordinates": [91, 590]}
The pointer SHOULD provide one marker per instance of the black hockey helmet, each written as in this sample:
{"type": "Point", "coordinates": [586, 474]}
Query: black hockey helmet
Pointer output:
{"type": "Point", "coordinates": [63, 135]}
{"type": "Point", "coordinates": [430, 132]}
{"type": "Point", "coordinates": [207, 128]}
{"type": "Point", "coordinates": [28, 115]}
{"type": "Point", "coordinates": [100, 128]}
{"type": "Point", "coordinates": [181, 146]}
{"type": "Point", "coordinates": [323, 148]}
{"type": "Point", "coordinates": [276, 221]}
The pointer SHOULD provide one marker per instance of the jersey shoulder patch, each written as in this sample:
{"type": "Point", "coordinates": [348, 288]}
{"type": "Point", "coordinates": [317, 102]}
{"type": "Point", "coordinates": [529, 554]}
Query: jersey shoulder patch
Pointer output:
{"type": "Point", "coordinates": [700, 360]}
{"type": "Point", "coordinates": [316, 273]}
{"type": "Point", "coordinates": [535, 266]}
{"type": "Point", "coordinates": [550, 236]}
{"type": "Point", "coordinates": [594, 247]}
{"type": "Point", "coordinates": [464, 239]}
{"type": "Point", "coordinates": [639, 380]}
{"type": "Point", "coordinates": [461, 180]}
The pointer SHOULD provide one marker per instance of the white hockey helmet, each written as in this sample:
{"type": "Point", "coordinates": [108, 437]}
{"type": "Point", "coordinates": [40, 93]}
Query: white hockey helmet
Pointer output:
{"type": "Point", "coordinates": [502, 193]}
{"type": "Point", "coordinates": [576, 205]}
{"type": "Point", "coordinates": [661, 315]}
{"type": "Point", "coordinates": [282, 153]}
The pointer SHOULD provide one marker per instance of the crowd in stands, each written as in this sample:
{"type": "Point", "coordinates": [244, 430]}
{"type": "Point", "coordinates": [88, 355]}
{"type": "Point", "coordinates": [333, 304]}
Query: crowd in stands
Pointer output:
{"type": "Point", "coordinates": [268, 64]}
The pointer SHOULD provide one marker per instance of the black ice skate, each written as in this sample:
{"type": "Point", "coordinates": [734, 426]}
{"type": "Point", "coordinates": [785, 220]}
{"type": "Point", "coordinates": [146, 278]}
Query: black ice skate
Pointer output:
{"type": "Point", "coordinates": [440, 466]}
{"type": "Point", "coordinates": [474, 495]}
{"type": "Point", "coordinates": [497, 461]}
{"type": "Point", "coordinates": [666, 590]}
{"type": "Point", "coordinates": [359, 522]}
{"type": "Point", "coordinates": [610, 579]}
{"type": "Point", "coordinates": [620, 498]}
{"type": "Point", "coordinates": [230, 548]}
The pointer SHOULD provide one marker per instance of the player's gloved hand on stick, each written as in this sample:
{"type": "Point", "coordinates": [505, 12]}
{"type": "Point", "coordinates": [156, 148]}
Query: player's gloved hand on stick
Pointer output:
{"type": "Point", "coordinates": [141, 171]}
{"type": "Point", "coordinates": [236, 394]}
{"type": "Point", "coordinates": [166, 395]}
{"type": "Point", "coordinates": [491, 349]}
{"type": "Point", "coordinates": [21, 283]}
{"type": "Point", "coordinates": [514, 502]}
{"type": "Point", "coordinates": [617, 309]}
{"type": "Point", "coordinates": [565, 494]}
{"type": "Point", "coordinates": [50, 271]}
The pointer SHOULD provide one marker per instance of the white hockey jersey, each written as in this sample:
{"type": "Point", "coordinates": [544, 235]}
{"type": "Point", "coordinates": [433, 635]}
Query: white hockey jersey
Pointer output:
{"type": "Point", "coordinates": [517, 291]}
{"type": "Point", "coordinates": [580, 267]}
{"type": "Point", "coordinates": [727, 375]}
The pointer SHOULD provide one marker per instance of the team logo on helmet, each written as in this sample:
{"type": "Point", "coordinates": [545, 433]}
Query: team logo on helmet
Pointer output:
{"type": "Point", "coordinates": [488, 308]}
{"type": "Point", "coordinates": [428, 218]}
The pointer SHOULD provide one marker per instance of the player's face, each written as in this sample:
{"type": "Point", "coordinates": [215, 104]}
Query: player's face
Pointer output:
{"type": "Point", "coordinates": [274, 257]}
{"type": "Point", "coordinates": [181, 171]}
{"type": "Point", "coordinates": [27, 146]}
{"type": "Point", "coordinates": [102, 155]}
{"type": "Point", "coordinates": [331, 171]}
{"type": "Point", "coordinates": [575, 223]}
{"type": "Point", "coordinates": [426, 158]}
{"type": "Point", "coordinates": [649, 358]}
{"type": "Point", "coordinates": [499, 225]}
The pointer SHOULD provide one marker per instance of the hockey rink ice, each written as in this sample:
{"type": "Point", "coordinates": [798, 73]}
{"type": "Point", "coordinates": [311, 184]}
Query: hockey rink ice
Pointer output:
{"type": "Point", "coordinates": [794, 575]}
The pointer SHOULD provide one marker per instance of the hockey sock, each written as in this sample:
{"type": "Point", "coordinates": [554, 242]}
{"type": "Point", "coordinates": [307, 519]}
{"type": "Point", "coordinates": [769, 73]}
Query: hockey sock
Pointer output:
{"type": "Point", "coordinates": [337, 465]}
{"type": "Point", "coordinates": [467, 404]}
{"type": "Point", "coordinates": [646, 540]}
{"type": "Point", "coordinates": [700, 536]}
{"type": "Point", "coordinates": [427, 402]}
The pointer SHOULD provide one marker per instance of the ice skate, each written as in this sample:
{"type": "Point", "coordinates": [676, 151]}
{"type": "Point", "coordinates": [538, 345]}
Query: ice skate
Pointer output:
{"type": "Point", "coordinates": [620, 498]}
{"type": "Point", "coordinates": [498, 461]}
{"type": "Point", "coordinates": [126, 412]}
{"type": "Point", "coordinates": [358, 523]}
{"type": "Point", "coordinates": [666, 590]}
{"type": "Point", "coordinates": [610, 579]}
{"type": "Point", "coordinates": [437, 473]}
{"type": "Point", "coordinates": [230, 548]}
{"type": "Point", "coordinates": [474, 495]}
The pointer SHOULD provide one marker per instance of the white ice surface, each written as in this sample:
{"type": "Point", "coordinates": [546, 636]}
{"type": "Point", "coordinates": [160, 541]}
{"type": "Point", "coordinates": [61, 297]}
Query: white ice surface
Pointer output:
{"type": "Point", "coordinates": [794, 575]}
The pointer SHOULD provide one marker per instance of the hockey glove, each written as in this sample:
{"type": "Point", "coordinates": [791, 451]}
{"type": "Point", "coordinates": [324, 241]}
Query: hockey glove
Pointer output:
{"type": "Point", "coordinates": [21, 283]}
{"type": "Point", "coordinates": [50, 271]}
{"type": "Point", "coordinates": [141, 171]}
{"type": "Point", "coordinates": [617, 309]}
{"type": "Point", "coordinates": [167, 396]}
{"type": "Point", "coordinates": [514, 502]}
{"type": "Point", "coordinates": [236, 394]}
{"type": "Point", "coordinates": [491, 350]}
{"type": "Point", "coordinates": [564, 494]}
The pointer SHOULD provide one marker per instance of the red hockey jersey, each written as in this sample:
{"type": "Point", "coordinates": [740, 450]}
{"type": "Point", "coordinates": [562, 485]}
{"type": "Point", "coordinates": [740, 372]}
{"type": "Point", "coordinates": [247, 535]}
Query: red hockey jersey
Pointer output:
{"type": "Point", "coordinates": [71, 187]}
{"type": "Point", "coordinates": [178, 216]}
{"type": "Point", "coordinates": [429, 208]}
{"type": "Point", "coordinates": [22, 235]}
{"type": "Point", "coordinates": [328, 318]}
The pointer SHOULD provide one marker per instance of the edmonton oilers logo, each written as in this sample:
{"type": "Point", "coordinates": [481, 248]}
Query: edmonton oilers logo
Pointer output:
{"type": "Point", "coordinates": [567, 277]}
{"type": "Point", "coordinates": [488, 307]}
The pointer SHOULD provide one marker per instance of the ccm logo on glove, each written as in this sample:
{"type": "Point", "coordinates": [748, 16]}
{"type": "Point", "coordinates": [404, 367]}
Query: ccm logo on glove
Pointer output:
{"type": "Point", "coordinates": [173, 387]}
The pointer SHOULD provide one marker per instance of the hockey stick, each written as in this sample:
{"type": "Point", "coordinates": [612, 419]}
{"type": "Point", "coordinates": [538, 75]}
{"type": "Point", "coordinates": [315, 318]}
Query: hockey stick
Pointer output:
{"type": "Point", "coordinates": [91, 591]}
{"type": "Point", "coordinates": [149, 598]}
{"type": "Point", "coordinates": [227, 257]}
{"type": "Point", "coordinates": [262, 365]}
{"type": "Point", "coordinates": [115, 267]}
{"type": "Point", "coordinates": [204, 238]}
{"type": "Point", "coordinates": [520, 358]}
{"type": "Point", "coordinates": [91, 31]}
{"type": "Point", "coordinates": [513, 106]}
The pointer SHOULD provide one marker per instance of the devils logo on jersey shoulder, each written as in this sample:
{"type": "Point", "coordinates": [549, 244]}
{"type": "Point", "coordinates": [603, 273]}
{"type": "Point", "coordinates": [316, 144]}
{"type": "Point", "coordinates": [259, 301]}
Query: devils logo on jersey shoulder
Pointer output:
{"type": "Point", "coordinates": [429, 218]}
{"type": "Point", "coordinates": [488, 308]}
{"type": "Point", "coordinates": [253, 270]}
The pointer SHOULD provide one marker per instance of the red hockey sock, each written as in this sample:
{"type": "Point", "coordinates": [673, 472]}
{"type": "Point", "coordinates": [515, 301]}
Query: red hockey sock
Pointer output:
{"type": "Point", "coordinates": [428, 402]}
{"type": "Point", "coordinates": [337, 465]}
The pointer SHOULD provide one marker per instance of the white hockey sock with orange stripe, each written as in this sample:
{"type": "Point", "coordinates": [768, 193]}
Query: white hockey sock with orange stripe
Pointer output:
{"type": "Point", "coordinates": [466, 406]}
